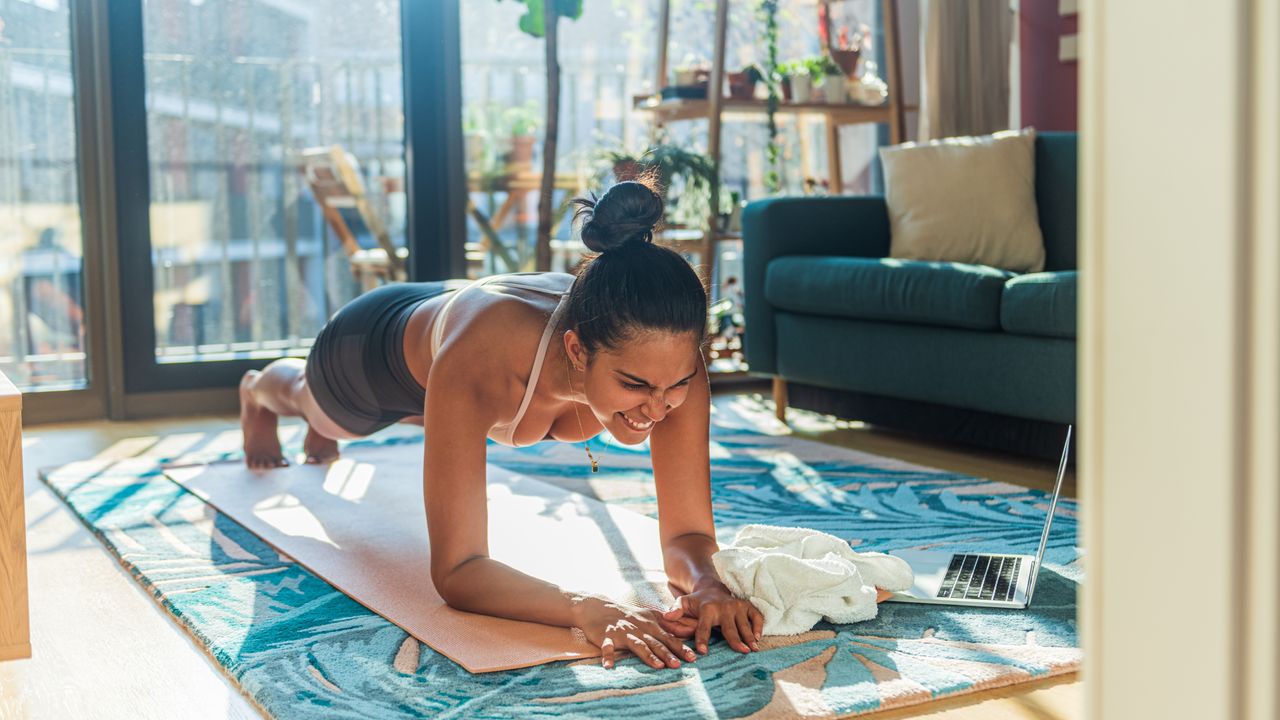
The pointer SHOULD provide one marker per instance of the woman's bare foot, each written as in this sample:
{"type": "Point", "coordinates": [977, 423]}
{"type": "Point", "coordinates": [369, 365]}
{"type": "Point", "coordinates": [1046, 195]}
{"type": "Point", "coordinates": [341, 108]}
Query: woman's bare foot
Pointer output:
{"type": "Point", "coordinates": [261, 441]}
{"type": "Point", "coordinates": [318, 448]}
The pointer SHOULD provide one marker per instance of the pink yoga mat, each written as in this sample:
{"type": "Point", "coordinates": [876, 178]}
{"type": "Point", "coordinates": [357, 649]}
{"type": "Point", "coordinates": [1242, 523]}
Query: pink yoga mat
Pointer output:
{"type": "Point", "coordinates": [359, 523]}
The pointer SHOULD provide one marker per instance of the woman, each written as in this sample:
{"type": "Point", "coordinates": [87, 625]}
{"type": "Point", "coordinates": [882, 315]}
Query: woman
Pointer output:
{"type": "Point", "coordinates": [523, 358]}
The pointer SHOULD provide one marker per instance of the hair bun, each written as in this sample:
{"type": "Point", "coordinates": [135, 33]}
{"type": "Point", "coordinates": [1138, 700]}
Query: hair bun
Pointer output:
{"type": "Point", "coordinates": [627, 212]}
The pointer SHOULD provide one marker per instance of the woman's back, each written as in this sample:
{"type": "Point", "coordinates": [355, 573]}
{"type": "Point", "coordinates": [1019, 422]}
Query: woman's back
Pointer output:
{"type": "Point", "coordinates": [500, 331]}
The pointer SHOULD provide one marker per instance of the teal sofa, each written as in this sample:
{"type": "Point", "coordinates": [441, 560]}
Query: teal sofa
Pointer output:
{"type": "Point", "coordinates": [963, 353]}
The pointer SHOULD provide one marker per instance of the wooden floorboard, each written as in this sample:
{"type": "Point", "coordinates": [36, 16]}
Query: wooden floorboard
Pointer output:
{"type": "Point", "coordinates": [102, 648]}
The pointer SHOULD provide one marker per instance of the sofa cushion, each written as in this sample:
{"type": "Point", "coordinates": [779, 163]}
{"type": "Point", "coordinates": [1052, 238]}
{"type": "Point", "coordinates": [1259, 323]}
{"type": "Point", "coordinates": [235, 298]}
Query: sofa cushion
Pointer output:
{"type": "Point", "coordinates": [995, 372]}
{"type": "Point", "coordinates": [965, 199]}
{"type": "Point", "coordinates": [1041, 304]}
{"type": "Point", "coordinates": [913, 291]}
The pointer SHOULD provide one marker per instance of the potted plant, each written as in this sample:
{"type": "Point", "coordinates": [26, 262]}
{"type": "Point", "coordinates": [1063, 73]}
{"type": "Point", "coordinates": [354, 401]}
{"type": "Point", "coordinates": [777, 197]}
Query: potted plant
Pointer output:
{"type": "Point", "coordinates": [824, 72]}
{"type": "Point", "coordinates": [684, 175]}
{"type": "Point", "coordinates": [846, 54]}
{"type": "Point", "coordinates": [797, 85]}
{"type": "Point", "coordinates": [521, 122]}
{"type": "Point", "coordinates": [742, 84]}
{"type": "Point", "coordinates": [692, 71]}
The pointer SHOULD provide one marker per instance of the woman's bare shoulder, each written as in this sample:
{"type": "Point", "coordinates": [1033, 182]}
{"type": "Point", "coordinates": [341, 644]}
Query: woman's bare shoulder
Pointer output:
{"type": "Point", "coordinates": [491, 342]}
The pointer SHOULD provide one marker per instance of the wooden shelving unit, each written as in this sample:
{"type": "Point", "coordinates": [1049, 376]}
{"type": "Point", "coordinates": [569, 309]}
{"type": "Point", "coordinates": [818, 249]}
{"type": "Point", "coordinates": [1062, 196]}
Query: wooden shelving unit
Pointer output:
{"type": "Point", "coordinates": [716, 106]}
{"type": "Point", "coordinates": [685, 109]}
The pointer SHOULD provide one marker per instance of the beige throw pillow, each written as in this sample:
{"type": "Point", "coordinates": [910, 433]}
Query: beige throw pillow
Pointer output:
{"type": "Point", "coordinates": [965, 199]}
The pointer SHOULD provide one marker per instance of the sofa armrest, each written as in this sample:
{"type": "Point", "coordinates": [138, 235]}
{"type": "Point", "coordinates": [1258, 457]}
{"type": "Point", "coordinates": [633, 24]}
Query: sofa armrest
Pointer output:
{"type": "Point", "coordinates": [851, 226]}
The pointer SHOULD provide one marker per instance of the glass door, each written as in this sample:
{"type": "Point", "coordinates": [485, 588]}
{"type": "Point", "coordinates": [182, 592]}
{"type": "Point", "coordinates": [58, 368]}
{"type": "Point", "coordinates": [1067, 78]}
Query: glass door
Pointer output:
{"type": "Point", "coordinates": [272, 162]}
{"type": "Point", "coordinates": [44, 346]}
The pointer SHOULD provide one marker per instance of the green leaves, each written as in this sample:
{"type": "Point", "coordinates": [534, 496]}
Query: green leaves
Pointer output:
{"type": "Point", "coordinates": [532, 20]}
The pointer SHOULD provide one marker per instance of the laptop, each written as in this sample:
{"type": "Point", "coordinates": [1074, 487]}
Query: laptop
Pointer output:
{"type": "Point", "coordinates": [979, 579]}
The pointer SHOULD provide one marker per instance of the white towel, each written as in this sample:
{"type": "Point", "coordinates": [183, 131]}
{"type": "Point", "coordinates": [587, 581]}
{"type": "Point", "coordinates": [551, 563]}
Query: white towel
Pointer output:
{"type": "Point", "coordinates": [796, 576]}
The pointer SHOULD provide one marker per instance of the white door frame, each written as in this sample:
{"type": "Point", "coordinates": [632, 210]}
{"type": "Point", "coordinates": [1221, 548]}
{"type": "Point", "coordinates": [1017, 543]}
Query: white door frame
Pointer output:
{"type": "Point", "coordinates": [1180, 357]}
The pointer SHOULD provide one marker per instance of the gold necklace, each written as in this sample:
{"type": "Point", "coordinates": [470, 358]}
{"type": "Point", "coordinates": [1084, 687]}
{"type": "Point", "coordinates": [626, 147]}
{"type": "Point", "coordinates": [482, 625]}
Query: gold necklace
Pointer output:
{"type": "Point", "coordinates": [595, 466]}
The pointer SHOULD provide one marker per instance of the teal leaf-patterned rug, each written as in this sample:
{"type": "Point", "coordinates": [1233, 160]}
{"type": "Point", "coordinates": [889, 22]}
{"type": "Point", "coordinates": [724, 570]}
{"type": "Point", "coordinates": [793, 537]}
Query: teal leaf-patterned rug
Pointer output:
{"type": "Point", "coordinates": [301, 649]}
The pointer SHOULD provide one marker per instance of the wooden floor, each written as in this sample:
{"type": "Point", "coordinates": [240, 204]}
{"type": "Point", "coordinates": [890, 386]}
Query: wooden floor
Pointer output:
{"type": "Point", "coordinates": [102, 648]}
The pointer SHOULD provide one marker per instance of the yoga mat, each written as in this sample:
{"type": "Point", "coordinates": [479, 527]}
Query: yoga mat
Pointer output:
{"type": "Point", "coordinates": [360, 524]}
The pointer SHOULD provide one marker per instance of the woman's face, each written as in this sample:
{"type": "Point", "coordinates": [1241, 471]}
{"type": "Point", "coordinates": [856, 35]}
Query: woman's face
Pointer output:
{"type": "Point", "coordinates": [632, 388]}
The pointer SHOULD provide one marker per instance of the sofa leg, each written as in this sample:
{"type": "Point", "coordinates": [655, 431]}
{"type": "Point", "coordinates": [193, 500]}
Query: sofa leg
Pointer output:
{"type": "Point", "coordinates": [780, 397]}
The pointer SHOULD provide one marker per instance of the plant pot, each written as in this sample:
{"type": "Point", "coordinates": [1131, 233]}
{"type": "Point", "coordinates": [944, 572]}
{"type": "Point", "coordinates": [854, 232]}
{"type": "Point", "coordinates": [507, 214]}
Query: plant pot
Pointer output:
{"type": "Point", "coordinates": [802, 88]}
{"type": "Point", "coordinates": [741, 86]}
{"type": "Point", "coordinates": [835, 88]}
{"type": "Point", "coordinates": [846, 59]}
{"type": "Point", "coordinates": [685, 78]}
{"type": "Point", "coordinates": [521, 150]}
{"type": "Point", "coordinates": [785, 89]}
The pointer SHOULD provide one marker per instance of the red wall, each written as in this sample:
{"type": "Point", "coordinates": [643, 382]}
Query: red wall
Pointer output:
{"type": "Point", "coordinates": [1048, 86]}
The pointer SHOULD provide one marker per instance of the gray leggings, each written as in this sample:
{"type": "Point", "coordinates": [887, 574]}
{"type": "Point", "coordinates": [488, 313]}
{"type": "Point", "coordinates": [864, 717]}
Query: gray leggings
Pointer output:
{"type": "Point", "coordinates": [356, 370]}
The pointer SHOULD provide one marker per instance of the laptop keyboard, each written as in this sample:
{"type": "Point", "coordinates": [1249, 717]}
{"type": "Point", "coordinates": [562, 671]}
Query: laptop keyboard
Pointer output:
{"type": "Point", "coordinates": [981, 577]}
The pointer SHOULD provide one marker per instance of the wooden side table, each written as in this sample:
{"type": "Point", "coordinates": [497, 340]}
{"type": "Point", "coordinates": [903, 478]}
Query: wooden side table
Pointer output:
{"type": "Point", "coordinates": [15, 625]}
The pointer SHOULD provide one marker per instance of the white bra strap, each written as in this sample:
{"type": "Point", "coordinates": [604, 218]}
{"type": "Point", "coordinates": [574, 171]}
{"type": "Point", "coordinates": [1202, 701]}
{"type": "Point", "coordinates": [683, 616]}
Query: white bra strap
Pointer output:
{"type": "Point", "coordinates": [538, 359]}
{"type": "Point", "coordinates": [437, 326]}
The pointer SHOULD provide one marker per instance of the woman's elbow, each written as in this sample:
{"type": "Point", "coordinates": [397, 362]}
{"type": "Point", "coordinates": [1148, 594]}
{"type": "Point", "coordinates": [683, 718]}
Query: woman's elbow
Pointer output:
{"type": "Point", "coordinates": [450, 584]}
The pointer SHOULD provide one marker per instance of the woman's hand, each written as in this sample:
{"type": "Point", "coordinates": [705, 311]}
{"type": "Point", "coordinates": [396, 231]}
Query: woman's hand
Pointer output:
{"type": "Point", "coordinates": [614, 627]}
{"type": "Point", "coordinates": [740, 622]}
{"type": "Point", "coordinates": [714, 606]}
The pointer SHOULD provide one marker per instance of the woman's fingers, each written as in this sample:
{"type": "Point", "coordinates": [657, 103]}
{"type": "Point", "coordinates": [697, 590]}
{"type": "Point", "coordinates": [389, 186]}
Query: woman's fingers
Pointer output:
{"type": "Point", "coordinates": [702, 635]}
{"type": "Point", "coordinates": [757, 622]}
{"type": "Point", "coordinates": [664, 653]}
{"type": "Point", "coordinates": [643, 651]}
{"type": "Point", "coordinates": [682, 627]}
{"type": "Point", "coordinates": [744, 630]}
{"type": "Point", "coordinates": [673, 642]}
{"type": "Point", "coordinates": [730, 630]}
{"type": "Point", "coordinates": [606, 652]}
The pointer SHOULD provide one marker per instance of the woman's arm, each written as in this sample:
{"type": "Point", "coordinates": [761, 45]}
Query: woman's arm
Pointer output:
{"type": "Point", "coordinates": [457, 418]}
{"type": "Point", "coordinates": [459, 412]}
{"type": "Point", "coordinates": [679, 447]}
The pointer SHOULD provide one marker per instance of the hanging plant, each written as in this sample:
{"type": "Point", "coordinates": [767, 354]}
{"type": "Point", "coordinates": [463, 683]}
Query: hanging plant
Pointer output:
{"type": "Point", "coordinates": [767, 12]}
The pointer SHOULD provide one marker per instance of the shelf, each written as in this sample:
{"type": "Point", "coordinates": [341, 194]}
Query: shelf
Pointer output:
{"type": "Point", "coordinates": [685, 109]}
{"type": "Point", "coordinates": [689, 240]}
{"type": "Point", "coordinates": [691, 235]}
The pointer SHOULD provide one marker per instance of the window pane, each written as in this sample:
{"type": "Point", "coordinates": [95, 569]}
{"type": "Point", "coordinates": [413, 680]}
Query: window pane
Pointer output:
{"type": "Point", "coordinates": [608, 59]}
{"type": "Point", "coordinates": [42, 339]}
{"type": "Point", "coordinates": [253, 108]}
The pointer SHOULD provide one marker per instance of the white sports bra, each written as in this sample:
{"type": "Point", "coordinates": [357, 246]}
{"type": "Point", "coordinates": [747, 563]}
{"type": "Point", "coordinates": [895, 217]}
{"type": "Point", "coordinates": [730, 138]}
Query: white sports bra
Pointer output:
{"type": "Point", "coordinates": [437, 338]}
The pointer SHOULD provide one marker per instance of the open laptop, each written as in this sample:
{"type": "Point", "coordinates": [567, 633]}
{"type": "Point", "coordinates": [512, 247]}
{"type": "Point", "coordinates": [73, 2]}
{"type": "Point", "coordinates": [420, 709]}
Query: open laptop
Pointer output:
{"type": "Point", "coordinates": [945, 577]}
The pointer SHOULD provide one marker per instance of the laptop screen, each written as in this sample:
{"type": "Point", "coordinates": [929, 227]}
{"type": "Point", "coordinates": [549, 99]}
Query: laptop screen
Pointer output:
{"type": "Point", "coordinates": [1053, 504]}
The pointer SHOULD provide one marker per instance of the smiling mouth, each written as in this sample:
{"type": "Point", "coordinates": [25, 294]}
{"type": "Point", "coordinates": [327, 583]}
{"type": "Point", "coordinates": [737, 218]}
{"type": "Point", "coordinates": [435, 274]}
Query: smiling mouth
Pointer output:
{"type": "Point", "coordinates": [638, 427]}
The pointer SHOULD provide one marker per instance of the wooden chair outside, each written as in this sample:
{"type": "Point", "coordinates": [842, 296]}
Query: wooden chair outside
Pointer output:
{"type": "Point", "coordinates": [333, 176]}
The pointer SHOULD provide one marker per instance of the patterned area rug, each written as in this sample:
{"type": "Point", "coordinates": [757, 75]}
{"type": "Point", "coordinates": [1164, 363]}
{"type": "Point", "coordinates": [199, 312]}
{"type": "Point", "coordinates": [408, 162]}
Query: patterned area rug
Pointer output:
{"type": "Point", "coordinates": [301, 649]}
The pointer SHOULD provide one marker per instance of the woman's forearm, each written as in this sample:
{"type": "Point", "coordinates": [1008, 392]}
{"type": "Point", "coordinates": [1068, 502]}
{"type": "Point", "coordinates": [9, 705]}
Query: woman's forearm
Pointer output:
{"type": "Point", "coordinates": [688, 561]}
{"type": "Point", "coordinates": [488, 587]}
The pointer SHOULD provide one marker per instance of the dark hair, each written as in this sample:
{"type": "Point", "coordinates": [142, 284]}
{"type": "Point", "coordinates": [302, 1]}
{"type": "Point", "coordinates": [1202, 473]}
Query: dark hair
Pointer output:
{"type": "Point", "coordinates": [632, 284]}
